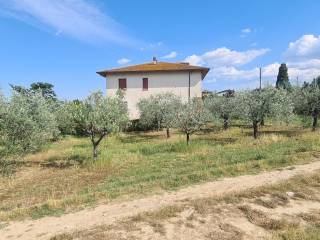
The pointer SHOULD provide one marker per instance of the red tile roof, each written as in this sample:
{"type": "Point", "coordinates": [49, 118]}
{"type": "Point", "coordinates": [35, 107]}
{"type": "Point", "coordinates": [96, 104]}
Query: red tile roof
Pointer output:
{"type": "Point", "coordinates": [156, 67]}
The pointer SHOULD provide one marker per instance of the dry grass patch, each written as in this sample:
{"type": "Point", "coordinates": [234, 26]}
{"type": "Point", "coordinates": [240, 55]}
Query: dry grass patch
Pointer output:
{"type": "Point", "coordinates": [312, 218]}
{"type": "Point", "coordinates": [63, 178]}
{"type": "Point", "coordinates": [308, 233]}
{"type": "Point", "coordinates": [63, 236]}
{"type": "Point", "coordinates": [260, 219]}
{"type": "Point", "coordinates": [225, 232]}
{"type": "Point", "coordinates": [272, 201]}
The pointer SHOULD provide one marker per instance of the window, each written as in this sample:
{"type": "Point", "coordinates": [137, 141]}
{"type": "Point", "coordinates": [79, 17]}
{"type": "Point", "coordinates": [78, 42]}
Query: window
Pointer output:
{"type": "Point", "coordinates": [145, 84]}
{"type": "Point", "coordinates": [123, 83]}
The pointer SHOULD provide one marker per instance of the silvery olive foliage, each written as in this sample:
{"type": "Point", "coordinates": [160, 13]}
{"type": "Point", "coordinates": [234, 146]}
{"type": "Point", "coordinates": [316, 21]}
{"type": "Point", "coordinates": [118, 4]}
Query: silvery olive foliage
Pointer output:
{"type": "Point", "coordinates": [27, 123]}
{"type": "Point", "coordinates": [159, 110]}
{"type": "Point", "coordinates": [65, 118]}
{"type": "Point", "coordinates": [3, 106]}
{"type": "Point", "coordinates": [191, 116]}
{"type": "Point", "coordinates": [221, 108]}
{"type": "Point", "coordinates": [307, 102]}
{"type": "Point", "coordinates": [100, 115]}
{"type": "Point", "coordinates": [256, 105]}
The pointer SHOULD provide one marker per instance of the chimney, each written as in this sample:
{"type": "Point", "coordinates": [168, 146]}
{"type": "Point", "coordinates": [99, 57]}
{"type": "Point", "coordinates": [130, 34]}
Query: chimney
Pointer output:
{"type": "Point", "coordinates": [154, 60]}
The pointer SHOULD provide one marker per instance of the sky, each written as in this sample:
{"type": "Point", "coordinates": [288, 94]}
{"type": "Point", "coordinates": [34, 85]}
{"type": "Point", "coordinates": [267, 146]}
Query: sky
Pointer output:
{"type": "Point", "coordinates": [64, 42]}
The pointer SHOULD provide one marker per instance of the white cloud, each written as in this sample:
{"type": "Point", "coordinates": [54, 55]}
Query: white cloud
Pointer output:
{"type": "Point", "coordinates": [225, 57]}
{"type": "Point", "coordinates": [246, 30]}
{"type": "Point", "coordinates": [152, 46]}
{"type": "Point", "coordinates": [302, 57]}
{"type": "Point", "coordinates": [80, 19]}
{"type": "Point", "coordinates": [225, 67]}
{"type": "Point", "coordinates": [306, 47]}
{"type": "Point", "coordinates": [123, 61]}
{"type": "Point", "coordinates": [232, 77]}
{"type": "Point", "coordinates": [171, 55]}
{"type": "Point", "coordinates": [194, 60]}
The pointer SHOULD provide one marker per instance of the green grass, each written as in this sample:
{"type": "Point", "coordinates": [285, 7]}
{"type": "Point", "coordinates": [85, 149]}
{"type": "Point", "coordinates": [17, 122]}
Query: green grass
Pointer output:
{"type": "Point", "coordinates": [64, 178]}
{"type": "Point", "coordinates": [309, 233]}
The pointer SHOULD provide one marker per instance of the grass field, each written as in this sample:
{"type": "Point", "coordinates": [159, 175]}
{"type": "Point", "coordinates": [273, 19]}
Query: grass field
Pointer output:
{"type": "Point", "coordinates": [63, 178]}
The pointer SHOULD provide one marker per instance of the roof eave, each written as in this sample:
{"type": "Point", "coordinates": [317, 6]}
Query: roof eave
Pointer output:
{"type": "Point", "coordinates": [102, 74]}
{"type": "Point", "coordinates": [204, 71]}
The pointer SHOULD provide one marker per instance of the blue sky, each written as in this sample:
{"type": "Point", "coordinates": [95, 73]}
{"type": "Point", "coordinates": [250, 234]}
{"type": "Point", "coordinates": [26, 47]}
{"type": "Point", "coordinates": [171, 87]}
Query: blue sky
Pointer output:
{"type": "Point", "coordinates": [65, 42]}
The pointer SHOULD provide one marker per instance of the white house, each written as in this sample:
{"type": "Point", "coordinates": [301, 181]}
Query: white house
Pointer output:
{"type": "Point", "coordinates": [143, 80]}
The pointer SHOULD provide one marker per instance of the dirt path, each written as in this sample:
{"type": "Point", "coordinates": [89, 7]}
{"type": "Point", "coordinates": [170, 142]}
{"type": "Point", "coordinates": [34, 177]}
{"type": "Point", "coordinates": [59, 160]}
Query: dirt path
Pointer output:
{"type": "Point", "coordinates": [107, 214]}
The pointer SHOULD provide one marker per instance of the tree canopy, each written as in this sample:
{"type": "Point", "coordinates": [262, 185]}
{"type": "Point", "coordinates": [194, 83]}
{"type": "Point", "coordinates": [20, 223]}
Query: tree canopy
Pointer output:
{"type": "Point", "coordinates": [159, 109]}
{"type": "Point", "coordinates": [46, 89]}
{"type": "Point", "coordinates": [256, 105]}
{"type": "Point", "coordinates": [283, 77]}
{"type": "Point", "coordinates": [27, 122]}
{"type": "Point", "coordinates": [307, 102]}
{"type": "Point", "coordinates": [222, 107]}
{"type": "Point", "coordinates": [191, 116]}
{"type": "Point", "coordinates": [99, 116]}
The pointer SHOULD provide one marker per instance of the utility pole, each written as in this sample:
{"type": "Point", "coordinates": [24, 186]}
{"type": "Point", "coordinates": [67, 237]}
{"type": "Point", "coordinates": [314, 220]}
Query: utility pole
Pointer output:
{"type": "Point", "coordinates": [260, 78]}
{"type": "Point", "coordinates": [189, 86]}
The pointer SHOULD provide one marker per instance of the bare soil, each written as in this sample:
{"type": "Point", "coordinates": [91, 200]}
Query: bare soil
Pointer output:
{"type": "Point", "coordinates": [226, 221]}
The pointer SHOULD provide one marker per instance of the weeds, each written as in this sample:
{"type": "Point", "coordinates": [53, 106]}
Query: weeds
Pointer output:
{"type": "Point", "coordinates": [309, 233]}
{"type": "Point", "coordinates": [132, 165]}
{"type": "Point", "coordinates": [9, 167]}
{"type": "Point", "coordinates": [261, 219]}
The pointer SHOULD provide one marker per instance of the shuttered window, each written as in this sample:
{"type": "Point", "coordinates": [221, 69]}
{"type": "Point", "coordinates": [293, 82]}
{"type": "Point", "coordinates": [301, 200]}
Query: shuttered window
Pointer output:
{"type": "Point", "coordinates": [123, 83]}
{"type": "Point", "coordinates": [145, 84]}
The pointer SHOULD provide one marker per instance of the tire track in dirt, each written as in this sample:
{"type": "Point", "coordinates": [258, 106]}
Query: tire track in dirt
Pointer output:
{"type": "Point", "coordinates": [47, 227]}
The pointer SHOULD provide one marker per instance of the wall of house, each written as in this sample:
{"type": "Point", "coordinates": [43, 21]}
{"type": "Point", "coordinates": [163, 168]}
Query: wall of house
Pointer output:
{"type": "Point", "coordinates": [160, 82]}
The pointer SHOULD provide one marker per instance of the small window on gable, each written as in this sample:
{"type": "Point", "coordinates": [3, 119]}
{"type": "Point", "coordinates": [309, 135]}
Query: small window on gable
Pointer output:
{"type": "Point", "coordinates": [123, 83]}
{"type": "Point", "coordinates": [145, 84]}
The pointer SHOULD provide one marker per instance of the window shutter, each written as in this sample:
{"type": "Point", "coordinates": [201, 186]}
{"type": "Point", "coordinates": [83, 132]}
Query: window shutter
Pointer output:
{"type": "Point", "coordinates": [122, 83]}
{"type": "Point", "coordinates": [145, 84]}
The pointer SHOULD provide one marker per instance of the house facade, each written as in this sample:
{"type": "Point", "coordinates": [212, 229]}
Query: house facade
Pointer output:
{"type": "Point", "coordinates": [143, 80]}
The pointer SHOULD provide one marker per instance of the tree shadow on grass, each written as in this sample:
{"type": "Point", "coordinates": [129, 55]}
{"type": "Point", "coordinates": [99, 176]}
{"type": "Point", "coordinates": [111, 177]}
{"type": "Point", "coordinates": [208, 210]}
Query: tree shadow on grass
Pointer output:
{"type": "Point", "coordinates": [70, 161]}
{"type": "Point", "coordinates": [138, 137]}
{"type": "Point", "coordinates": [286, 133]}
{"type": "Point", "coordinates": [217, 141]}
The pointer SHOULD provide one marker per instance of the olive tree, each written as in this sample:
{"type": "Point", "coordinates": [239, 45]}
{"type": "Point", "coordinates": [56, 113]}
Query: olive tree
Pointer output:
{"type": "Point", "coordinates": [221, 107]}
{"type": "Point", "coordinates": [100, 115]}
{"type": "Point", "coordinates": [307, 102]}
{"type": "Point", "coordinates": [159, 109]}
{"type": "Point", "coordinates": [65, 118]}
{"type": "Point", "coordinates": [190, 117]}
{"type": "Point", "coordinates": [256, 105]}
{"type": "Point", "coordinates": [3, 106]}
{"type": "Point", "coordinates": [27, 122]}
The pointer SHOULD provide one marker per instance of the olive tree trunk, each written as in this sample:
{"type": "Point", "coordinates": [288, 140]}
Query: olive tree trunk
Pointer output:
{"type": "Point", "coordinates": [168, 132]}
{"type": "Point", "coordinates": [255, 129]}
{"type": "Point", "coordinates": [95, 144]}
{"type": "Point", "coordinates": [188, 138]}
{"type": "Point", "coordinates": [225, 122]}
{"type": "Point", "coordinates": [315, 121]}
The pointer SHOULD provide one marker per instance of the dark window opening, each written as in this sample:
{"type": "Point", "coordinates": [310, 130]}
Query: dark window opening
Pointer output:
{"type": "Point", "coordinates": [123, 83]}
{"type": "Point", "coordinates": [145, 84]}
